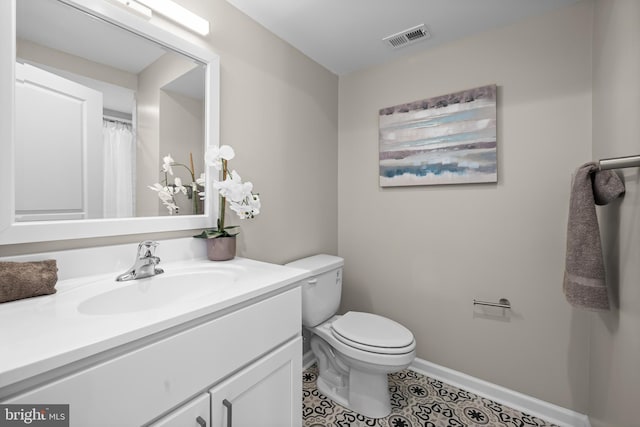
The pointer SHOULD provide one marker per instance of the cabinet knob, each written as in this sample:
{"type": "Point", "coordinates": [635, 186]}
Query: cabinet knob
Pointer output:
{"type": "Point", "coordinates": [201, 422]}
{"type": "Point", "coordinates": [227, 405]}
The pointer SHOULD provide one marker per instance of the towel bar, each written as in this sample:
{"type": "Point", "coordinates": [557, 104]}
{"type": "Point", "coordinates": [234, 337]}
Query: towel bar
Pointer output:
{"type": "Point", "coordinates": [619, 162]}
{"type": "Point", "coordinates": [502, 303]}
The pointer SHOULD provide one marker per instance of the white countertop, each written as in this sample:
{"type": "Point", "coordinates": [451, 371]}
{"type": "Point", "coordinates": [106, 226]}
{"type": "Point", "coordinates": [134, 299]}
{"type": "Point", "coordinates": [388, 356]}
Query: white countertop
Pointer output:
{"type": "Point", "coordinates": [47, 332]}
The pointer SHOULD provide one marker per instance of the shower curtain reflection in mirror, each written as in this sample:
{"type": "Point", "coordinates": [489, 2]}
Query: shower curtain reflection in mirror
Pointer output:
{"type": "Point", "coordinates": [119, 152]}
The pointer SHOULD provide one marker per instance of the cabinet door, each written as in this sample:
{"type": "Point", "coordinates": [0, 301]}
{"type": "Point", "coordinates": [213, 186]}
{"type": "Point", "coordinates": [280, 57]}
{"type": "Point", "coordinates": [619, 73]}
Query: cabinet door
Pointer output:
{"type": "Point", "coordinates": [267, 393]}
{"type": "Point", "coordinates": [192, 414]}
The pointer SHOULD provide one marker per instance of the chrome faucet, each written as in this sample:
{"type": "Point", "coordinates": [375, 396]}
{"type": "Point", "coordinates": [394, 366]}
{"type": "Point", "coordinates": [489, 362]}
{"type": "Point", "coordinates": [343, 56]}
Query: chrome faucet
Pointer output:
{"type": "Point", "coordinates": [145, 265]}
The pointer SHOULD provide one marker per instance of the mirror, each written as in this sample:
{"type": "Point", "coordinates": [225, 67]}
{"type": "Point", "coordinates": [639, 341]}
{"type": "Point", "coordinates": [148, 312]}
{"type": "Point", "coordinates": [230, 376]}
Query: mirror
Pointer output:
{"type": "Point", "coordinates": [100, 103]}
{"type": "Point", "coordinates": [101, 96]}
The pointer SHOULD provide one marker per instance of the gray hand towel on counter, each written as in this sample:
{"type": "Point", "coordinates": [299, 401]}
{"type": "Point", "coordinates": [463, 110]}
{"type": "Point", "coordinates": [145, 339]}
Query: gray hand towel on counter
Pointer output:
{"type": "Point", "coordinates": [584, 277]}
{"type": "Point", "coordinates": [20, 280]}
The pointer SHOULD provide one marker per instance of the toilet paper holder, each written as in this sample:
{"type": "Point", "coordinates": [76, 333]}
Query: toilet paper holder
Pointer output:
{"type": "Point", "coordinates": [502, 303]}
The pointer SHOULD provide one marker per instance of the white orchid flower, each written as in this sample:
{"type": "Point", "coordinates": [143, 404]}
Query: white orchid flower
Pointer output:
{"type": "Point", "coordinates": [159, 188]}
{"type": "Point", "coordinates": [233, 188]}
{"type": "Point", "coordinates": [200, 182]}
{"type": "Point", "coordinates": [215, 155]}
{"type": "Point", "coordinates": [226, 188]}
{"type": "Point", "coordinates": [178, 187]}
{"type": "Point", "coordinates": [247, 208]}
{"type": "Point", "coordinates": [167, 161]}
{"type": "Point", "coordinates": [255, 204]}
{"type": "Point", "coordinates": [226, 152]}
{"type": "Point", "coordinates": [171, 207]}
{"type": "Point", "coordinates": [238, 194]}
{"type": "Point", "coordinates": [165, 194]}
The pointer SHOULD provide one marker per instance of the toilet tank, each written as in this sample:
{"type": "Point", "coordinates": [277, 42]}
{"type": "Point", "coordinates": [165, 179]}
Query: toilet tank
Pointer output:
{"type": "Point", "coordinates": [321, 289]}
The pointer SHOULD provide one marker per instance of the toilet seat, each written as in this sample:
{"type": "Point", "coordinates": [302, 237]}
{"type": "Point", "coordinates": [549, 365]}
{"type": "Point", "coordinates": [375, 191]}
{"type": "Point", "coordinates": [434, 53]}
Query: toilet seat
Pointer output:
{"type": "Point", "coordinates": [372, 333]}
{"type": "Point", "coordinates": [368, 354]}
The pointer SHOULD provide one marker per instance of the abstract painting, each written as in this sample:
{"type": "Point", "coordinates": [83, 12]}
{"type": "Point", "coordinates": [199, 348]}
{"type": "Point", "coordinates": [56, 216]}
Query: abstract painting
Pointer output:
{"type": "Point", "coordinates": [448, 139]}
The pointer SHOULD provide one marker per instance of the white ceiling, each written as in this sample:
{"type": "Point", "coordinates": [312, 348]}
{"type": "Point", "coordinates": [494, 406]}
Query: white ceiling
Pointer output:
{"type": "Point", "coordinates": [346, 35]}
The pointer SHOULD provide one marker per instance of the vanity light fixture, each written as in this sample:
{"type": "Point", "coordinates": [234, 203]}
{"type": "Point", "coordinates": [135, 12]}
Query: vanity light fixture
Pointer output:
{"type": "Point", "coordinates": [179, 14]}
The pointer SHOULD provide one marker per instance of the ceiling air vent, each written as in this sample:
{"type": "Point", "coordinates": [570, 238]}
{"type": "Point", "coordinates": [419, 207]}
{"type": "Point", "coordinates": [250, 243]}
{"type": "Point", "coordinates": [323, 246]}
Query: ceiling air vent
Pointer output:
{"type": "Point", "coordinates": [407, 37]}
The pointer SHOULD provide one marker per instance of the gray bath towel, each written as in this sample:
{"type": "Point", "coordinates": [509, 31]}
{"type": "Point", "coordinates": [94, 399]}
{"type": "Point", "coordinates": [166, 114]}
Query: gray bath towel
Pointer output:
{"type": "Point", "coordinates": [584, 277]}
{"type": "Point", "coordinates": [27, 279]}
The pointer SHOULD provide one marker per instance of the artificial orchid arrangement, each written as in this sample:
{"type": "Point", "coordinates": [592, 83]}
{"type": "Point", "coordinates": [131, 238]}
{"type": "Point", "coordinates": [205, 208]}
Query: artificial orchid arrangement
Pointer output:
{"type": "Point", "coordinates": [167, 191]}
{"type": "Point", "coordinates": [231, 189]}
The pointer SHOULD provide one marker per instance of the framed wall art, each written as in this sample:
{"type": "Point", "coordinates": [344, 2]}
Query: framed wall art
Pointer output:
{"type": "Point", "coordinates": [448, 139]}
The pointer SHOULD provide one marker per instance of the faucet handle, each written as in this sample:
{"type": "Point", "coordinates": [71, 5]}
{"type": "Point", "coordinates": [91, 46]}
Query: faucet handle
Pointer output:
{"type": "Point", "coordinates": [147, 249]}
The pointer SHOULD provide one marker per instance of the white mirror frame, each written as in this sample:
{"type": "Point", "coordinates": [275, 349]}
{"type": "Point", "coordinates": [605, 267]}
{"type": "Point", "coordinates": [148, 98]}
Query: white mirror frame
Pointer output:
{"type": "Point", "coordinates": [22, 232]}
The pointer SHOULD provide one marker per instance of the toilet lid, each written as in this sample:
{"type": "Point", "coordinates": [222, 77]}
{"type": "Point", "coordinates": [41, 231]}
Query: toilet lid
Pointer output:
{"type": "Point", "coordinates": [372, 332]}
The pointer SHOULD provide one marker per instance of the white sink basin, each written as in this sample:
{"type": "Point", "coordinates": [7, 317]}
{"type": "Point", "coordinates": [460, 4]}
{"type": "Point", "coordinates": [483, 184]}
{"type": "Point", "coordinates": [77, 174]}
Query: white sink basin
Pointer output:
{"type": "Point", "coordinates": [160, 291]}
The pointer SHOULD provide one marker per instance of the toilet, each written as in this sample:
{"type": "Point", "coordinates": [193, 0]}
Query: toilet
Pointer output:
{"type": "Point", "coordinates": [355, 351]}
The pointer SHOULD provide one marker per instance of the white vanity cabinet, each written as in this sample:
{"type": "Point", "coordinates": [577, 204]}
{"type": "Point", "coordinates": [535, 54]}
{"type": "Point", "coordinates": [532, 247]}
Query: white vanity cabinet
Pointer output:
{"type": "Point", "coordinates": [250, 355]}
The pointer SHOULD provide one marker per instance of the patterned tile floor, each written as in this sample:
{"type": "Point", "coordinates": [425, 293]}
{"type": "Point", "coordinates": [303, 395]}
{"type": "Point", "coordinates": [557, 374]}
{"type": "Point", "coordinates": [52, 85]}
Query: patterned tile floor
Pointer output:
{"type": "Point", "coordinates": [416, 400]}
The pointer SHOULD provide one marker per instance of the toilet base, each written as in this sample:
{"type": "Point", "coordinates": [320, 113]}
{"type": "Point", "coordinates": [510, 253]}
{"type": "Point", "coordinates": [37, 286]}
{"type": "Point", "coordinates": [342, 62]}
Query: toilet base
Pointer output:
{"type": "Point", "coordinates": [369, 394]}
{"type": "Point", "coordinates": [365, 392]}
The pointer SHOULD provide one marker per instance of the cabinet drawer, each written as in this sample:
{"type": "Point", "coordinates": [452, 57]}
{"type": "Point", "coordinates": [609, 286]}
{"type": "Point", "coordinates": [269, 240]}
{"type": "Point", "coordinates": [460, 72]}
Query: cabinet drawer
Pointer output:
{"type": "Point", "coordinates": [139, 386]}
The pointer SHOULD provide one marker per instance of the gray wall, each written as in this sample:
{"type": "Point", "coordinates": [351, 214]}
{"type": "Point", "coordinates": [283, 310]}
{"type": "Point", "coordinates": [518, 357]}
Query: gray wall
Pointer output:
{"type": "Point", "coordinates": [420, 255]}
{"type": "Point", "coordinates": [279, 114]}
{"type": "Point", "coordinates": [615, 343]}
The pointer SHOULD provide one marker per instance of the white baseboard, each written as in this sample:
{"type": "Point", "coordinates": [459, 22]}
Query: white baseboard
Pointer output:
{"type": "Point", "coordinates": [539, 408]}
